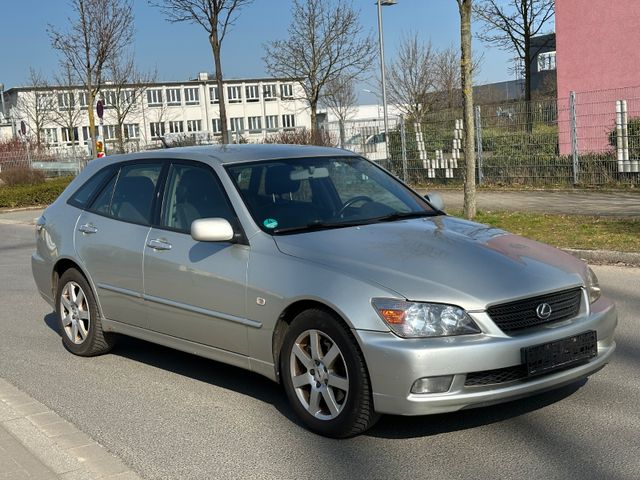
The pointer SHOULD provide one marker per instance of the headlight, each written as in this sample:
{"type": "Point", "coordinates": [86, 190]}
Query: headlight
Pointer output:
{"type": "Point", "coordinates": [412, 319]}
{"type": "Point", "coordinates": [593, 287]}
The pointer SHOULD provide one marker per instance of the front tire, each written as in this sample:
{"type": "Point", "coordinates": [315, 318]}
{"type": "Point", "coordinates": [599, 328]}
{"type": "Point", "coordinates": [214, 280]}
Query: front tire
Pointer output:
{"type": "Point", "coordinates": [78, 319]}
{"type": "Point", "coordinates": [325, 376]}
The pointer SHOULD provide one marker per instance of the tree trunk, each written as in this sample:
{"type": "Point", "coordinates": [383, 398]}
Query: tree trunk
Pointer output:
{"type": "Point", "coordinates": [120, 136]}
{"type": "Point", "coordinates": [527, 81]}
{"type": "Point", "coordinates": [342, 133]}
{"type": "Point", "coordinates": [215, 47]}
{"type": "Point", "coordinates": [92, 119]}
{"type": "Point", "coordinates": [313, 105]}
{"type": "Point", "coordinates": [467, 95]}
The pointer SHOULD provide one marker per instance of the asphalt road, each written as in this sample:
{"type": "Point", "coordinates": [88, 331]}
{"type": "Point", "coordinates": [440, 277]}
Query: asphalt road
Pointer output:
{"type": "Point", "coordinates": [172, 415]}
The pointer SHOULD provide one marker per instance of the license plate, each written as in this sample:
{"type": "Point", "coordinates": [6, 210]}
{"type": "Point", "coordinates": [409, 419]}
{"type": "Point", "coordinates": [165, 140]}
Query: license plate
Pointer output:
{"type": "Point", "coordinates": [561, 353]}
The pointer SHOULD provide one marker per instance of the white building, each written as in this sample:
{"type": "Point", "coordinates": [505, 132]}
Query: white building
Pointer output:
{"type": "Point", "coordinates": [255, 108]}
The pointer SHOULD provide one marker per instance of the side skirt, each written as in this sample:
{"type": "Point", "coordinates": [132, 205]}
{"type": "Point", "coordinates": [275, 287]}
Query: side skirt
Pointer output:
{"type": "Point", "coordinates": [206, 351]}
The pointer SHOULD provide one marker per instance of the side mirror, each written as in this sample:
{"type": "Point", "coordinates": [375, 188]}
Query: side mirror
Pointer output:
{"type": "Point", "coordinates": [212, 230]}
{"type": "Point", "coordinates": [436, 200]}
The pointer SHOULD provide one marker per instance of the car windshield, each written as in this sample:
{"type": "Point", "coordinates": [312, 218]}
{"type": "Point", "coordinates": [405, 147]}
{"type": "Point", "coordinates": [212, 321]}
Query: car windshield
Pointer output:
{"type": "Point", "coordinates": [294, 195]}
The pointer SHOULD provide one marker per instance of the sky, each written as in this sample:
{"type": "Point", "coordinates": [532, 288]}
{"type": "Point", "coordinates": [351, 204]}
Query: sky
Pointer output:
{"type": "Point", "coordinates": [180, 51]}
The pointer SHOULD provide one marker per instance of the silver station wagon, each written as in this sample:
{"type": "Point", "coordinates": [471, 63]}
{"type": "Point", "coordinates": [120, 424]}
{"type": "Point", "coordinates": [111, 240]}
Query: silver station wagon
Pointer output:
{"type": "Point", "coordinates": [320, 270]}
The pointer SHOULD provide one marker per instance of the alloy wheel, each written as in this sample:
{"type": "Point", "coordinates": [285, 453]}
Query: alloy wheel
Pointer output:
{"type": "Point", "coordinates": [74, 312]}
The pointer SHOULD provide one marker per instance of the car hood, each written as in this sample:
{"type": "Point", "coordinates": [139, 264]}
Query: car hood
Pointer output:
{"type": "Point", "coordinates": [441, 259]}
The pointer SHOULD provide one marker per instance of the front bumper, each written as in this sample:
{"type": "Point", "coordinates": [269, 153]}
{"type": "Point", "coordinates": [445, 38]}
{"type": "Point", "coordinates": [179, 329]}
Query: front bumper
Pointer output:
{"type": "Point", "coordinates": [395, 364]}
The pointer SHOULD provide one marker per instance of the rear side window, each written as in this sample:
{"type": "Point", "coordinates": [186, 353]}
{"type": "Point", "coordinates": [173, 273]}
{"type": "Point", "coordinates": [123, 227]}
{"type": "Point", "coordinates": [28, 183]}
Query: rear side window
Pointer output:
{"type": "Point", "coordinates": [129, 196]}
{"type": "Point", "coordinates": [90, 188]}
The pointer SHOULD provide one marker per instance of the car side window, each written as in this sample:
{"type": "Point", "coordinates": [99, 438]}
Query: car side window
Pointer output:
{"type": "Point", "coordinates": [87, 191]}
{"type": "Point", "coordinates": [102, 203]}
{"type": "Point", "coordinates": [133, 194]}
{"type": "Point", "coordinates": [192, 192]}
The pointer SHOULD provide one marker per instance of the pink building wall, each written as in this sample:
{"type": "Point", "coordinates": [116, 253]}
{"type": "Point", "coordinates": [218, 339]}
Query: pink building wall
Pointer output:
{"type": "Point", "coordinates": [597, 55]}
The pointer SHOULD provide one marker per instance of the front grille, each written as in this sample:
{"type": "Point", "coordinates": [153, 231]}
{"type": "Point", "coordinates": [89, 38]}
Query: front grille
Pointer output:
{"type": "Point", "coordinates": [495, 377]}
{"type": "Point", "coordinates": [522, 313]}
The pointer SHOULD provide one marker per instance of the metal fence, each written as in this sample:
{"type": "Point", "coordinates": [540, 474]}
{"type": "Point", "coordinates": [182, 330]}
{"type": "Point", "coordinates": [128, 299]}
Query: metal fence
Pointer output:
{"type": "Point", "coordinates": [586, 139]}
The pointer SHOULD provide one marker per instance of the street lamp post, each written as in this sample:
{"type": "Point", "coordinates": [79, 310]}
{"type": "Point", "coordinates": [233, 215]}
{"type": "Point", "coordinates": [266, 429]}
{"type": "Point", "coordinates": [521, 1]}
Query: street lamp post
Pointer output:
{"type": "Point", "coordinates": [4, 113]}
{"type": "Point", "coordinates": [382, 73]}
{"type": "Point", "coordinates": [377, 95]}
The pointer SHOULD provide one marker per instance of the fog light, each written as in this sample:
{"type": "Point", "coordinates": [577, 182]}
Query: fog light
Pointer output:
{"type": "Point", "coordinates": [432, 384]}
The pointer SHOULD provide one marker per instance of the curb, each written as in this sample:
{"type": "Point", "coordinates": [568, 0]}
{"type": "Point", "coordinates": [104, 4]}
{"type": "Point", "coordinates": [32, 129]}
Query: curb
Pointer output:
{"type": "Point", "coordinates": [606, 257]}
{"type": "Point", "coordinates": [22, 209]}
{"type": "Point", "coordinates": [58, 444]}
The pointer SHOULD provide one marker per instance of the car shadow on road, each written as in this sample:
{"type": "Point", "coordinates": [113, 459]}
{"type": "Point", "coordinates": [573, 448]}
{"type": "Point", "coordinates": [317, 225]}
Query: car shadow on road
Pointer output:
{"type": "Point", "coordinates": [258, 387]}
{"type": "Point", "coordinates": [198, 368]}
{"type": "Point", "coordinates": [396, 427]}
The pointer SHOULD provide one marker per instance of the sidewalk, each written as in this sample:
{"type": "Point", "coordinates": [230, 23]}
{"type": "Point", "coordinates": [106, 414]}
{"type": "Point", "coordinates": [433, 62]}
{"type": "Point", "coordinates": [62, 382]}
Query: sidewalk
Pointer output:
{"type": "Point", "coordinates": [581, 202]}
{"type": "Point", "coordinates": [37, 444]}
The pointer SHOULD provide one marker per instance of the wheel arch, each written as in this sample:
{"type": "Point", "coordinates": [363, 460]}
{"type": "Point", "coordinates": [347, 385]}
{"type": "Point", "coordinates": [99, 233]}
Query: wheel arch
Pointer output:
{"type": "Point", "coordinates": [287, 316]}
{"type": "Point", "coordinates": [62, 265]}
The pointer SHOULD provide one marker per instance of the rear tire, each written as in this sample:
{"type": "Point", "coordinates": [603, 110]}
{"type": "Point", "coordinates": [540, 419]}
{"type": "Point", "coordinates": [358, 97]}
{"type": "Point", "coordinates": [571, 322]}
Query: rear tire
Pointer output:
{"type": "Point", "coordinates": [325, 376]}
{"type": "Point", "coordinates": [78, 318]}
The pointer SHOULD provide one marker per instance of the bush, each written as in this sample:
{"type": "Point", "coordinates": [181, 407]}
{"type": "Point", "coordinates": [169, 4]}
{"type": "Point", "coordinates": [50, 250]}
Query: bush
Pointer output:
{"type": "Point", "coordinates": [21, 176]}
{"type": "Point", "coordinates": [633, 134]}
{"type": "Point", "coordinates": [302, 137]}
{"type": "Point", "coordinates": [32, 195]}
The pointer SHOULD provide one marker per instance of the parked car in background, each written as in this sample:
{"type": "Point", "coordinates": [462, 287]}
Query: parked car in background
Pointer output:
{"type": "Point", "coordinates": [320, 270]}
{"type": "Point", "coordinates": [372, 146]}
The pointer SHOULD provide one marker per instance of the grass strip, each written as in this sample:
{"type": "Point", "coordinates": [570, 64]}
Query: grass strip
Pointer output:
{"type": "Point", "coordinates": [568, 231]}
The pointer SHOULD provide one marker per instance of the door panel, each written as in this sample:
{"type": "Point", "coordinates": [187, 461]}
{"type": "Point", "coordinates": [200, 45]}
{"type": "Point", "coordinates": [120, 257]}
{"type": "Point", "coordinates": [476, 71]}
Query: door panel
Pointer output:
{"type": "Point", "coordinates": [195, 290]}
{"type": "Point", "coordinates": [112, 255]}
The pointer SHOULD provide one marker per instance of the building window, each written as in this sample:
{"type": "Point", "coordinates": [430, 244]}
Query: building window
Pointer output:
{"type": "Point", "coordinates": [191, 96]}
{"type": "Point", "coordinates": [127, 97]}
{"type": "Point", "coordinates": [70, 136]}
{"type": "Point", "coordinates": [157, 130]}
{"type": "Point", "coordinates": [65, 101]}
{"type": "Point", "coordinates": [269, 92]}
{"type": "Point", "coordinates": [86, 136]}
{"type": "Point", "coordinates": [109, 132]}
{"type": "Point", "coordinates": [213, 94]}
{"type": "Point", "coordinates": [109, 98]}
{"type": "Point", "coordinates": [216, 125]}
{"type": "Point", "coordinates": [173, 96]}
{"type": "Point", "coordinates": [546, 61]}
{"type": "Point", "coordinates": [271, 122]}
{"type": "Point", "coordinates": [49, 136]}
{"type": "Point", "coordinates": [194, 125]}
{"type": "Point", "coordinates": [176, 126]}
{"type": "Point", "coordinates": [82, 99]}
{"type": "Point", "coordinates": [252, 93]}
{"type": "Point", "coordinates": [154, 98]}
{"type": "Point", "coordinates": [131, 131]}
{"type": "Point", "coordinates": [45, 101]}
{"type": "Point", "coordinates": [237, 124]}
{"type": "Point", "coordinates": [255, 124]}
{"type": "Point", "coordinates": [234, 94]}
{"type": "Point", "coordinates": [286, 90]}
{"type": "Point", "coordinates": [288, 121]}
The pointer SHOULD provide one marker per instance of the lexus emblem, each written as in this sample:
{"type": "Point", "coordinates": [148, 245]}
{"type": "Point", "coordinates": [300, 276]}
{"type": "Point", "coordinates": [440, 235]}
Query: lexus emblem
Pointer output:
{"type": "Point", "coordinates": [543, 311]}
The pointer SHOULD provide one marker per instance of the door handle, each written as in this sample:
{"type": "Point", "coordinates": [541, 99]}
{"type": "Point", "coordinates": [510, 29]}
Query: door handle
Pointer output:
{"type": "Point", "coordinates": [159, 244]}
{"type": "Point", "coordinates": [87, 228]}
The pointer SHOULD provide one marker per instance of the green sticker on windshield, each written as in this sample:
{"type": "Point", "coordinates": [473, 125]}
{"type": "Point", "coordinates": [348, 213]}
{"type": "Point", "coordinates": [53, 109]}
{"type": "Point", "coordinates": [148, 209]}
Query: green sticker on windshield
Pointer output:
{"type": "Point", "coordinates": [270, 223]}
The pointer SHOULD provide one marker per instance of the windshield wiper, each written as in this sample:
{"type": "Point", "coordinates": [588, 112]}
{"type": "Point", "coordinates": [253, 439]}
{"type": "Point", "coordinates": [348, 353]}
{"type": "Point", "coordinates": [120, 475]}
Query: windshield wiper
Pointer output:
{"type": "Point", "coordinates": [319, 225]}
{"type": "Point", "coordinates": [404, 215]}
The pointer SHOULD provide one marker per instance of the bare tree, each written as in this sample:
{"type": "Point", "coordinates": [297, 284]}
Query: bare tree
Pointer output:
{"type": "Point", "coordinates": [340, 97]}
{"type": "Point", "coordinates": [411, 78]}
{"type": "Point", "coordinates": [466, 65]}
{"type": "Point", "coordinates": [37, 109]}
{"type": "Point", "coordinates": [216, 17]}
{"type": "Point", "coordinates": [447, 77]}
{"type": "Point", "coordinates": [97, 29]}
{"type": "Point", "coordinates": [325, 41]}
{"type": "Point", "coordinates": [67, 115]}
{"type": "Point", "coordinates": [510, 24]}
{"type": "Point", "coordinates": [127, 90]}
